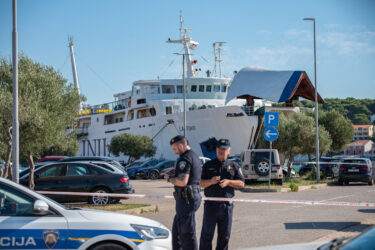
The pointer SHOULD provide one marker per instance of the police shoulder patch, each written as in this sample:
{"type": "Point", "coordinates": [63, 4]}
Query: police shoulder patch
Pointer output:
{"type": "Point", "coordinates": [182, 165]}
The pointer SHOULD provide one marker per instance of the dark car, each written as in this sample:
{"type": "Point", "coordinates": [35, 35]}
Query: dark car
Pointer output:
{"type": "Point", "coordinates": [92, 158]}
{"type": "Point", "coordinates": [327, 167]}
{"type": "Point", "coordinates": [154, 171]}
{"type": "Point", "coordinates": [356, 170]}
{"type": "Point", "coordinates": [134, 172]}
{"type": "Point", "coordinates": [133, 164]}
{"type": "Point", "coordinates": [168, 171]}
{"type": "Point", "coordinates": [80, 177]}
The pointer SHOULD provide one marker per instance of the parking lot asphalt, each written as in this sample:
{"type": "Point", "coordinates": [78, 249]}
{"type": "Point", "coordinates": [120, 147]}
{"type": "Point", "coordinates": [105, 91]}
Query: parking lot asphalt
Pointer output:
{"type": "Point", "coordinates": [273, 224]}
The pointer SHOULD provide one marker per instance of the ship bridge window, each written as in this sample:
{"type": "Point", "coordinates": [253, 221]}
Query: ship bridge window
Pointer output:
{"type": "Point", "coordinates": [167, 89]}
{"type": "Point", "coordinates": [201, 88]}
{"type": "Point", "coordinates": [151, 89]}
{"type": "Point", "coordinates": [193, 88]}
{"type": "Point", "coordinates": [180, 89]}
{"type": "Point", "coordinates": [208, 88]}
{"type": "Point", "coordinates": [216, 88]}
{"type": "Point", "coordinates": [136, 90]}
{"type": "Point", "coordinates": [224, 88]}
{"type": "Point", "coordinates": [168, 110]}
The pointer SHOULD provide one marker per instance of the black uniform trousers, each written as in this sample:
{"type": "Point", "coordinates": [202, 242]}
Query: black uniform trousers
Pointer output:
{"type": "Point", "coordinates": [183, 229]}
{"type": "Point", "coordinates": [220, 213]}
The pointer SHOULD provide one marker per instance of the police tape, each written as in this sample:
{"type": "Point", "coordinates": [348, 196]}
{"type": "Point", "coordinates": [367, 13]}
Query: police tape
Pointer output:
{"type": "Point", "coordinates": [329, 163]}
{"type": "Point", "coordinates": [220, 199]}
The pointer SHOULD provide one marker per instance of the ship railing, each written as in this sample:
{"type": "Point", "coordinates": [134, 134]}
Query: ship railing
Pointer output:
{"type": "Point", "coordinates": [249, 110]}
{"type": "Point", "coordinates": [103, 108]}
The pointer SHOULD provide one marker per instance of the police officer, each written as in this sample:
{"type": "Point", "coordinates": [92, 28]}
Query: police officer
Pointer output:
{"type": "Point", "coordinates": [220, 177]}
{"type": "Point", "coordinates": [186, 183]}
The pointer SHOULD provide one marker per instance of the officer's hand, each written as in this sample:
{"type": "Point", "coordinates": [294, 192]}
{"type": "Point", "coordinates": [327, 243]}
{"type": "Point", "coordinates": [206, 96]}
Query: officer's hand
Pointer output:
{"type": "Point", "coordinates": [215, 180]}
{"type": "Point", "coordinates": [165, 176]}
{"type": "Point", "coordinates": [224, 183]}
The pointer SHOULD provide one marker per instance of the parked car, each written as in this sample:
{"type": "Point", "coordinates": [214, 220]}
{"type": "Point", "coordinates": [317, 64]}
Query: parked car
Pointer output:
{"type": "Point", "coordinates": [80, 177]}
{"type": "Point", "coordinates": [356, 170]}
{"type": "Point", "coordinates": [134, 164]}
{"type": "Point", "coordinates": [134, 172]}
{"type": "Point", "coordinates": [256, 165]}
{"type": "Point", "coordinates": [51, 158]}
{"type": "Point", "coordinates": [92, 158]}
{"type": "Point", "coordinates": [328, 167]}
{"type": "Point", "coordinates": [29, 220]}
{"type": "Point", "coordinates": [153, 172]}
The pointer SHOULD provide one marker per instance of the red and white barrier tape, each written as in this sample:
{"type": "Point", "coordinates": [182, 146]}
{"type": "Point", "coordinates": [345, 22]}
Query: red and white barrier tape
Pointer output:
{"type": "Point", "coordinates": [295, 202]}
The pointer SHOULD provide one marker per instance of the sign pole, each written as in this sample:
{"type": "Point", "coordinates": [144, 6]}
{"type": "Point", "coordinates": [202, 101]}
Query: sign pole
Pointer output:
{"type": "Point", "coordinates": [269, 173]}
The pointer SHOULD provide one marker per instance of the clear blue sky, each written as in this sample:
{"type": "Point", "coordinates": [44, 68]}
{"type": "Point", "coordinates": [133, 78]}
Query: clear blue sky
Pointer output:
{"type": "Point", "coordinates": [118, 42]}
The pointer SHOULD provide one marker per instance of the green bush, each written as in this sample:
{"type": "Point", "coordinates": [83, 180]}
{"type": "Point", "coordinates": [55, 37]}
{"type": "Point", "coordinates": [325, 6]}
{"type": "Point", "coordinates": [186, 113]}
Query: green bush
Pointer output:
{"type": "Point", "coordinates": [293, 187]}
{"type": "Point", "coordinates": [312, 175]}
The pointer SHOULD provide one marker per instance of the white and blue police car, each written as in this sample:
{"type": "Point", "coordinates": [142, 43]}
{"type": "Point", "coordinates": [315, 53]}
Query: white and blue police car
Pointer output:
{"type": "Point", "coordinates": [29, 220]}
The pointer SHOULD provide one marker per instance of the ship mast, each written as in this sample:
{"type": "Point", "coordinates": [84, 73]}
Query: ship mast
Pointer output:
{"type": "Point", "coordinates": [188, 44]}
{"type": "Point", "coordinates": [75, 76]}
{"type": "Point", "coordinates": [218, 49]}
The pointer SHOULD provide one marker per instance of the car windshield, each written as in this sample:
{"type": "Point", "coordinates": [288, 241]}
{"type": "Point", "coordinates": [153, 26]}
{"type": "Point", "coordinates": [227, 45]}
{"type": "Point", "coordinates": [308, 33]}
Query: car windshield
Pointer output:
{"type": "Point", "coordinates": [365, 240]}
{"type": "Point", "coordinates": [116, 164]}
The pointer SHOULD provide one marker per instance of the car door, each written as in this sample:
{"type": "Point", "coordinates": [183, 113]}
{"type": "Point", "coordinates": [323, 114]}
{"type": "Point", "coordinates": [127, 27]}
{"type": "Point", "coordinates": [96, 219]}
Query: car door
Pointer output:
{"type": "Point", "coordinates": [51, 178]}
{"type": "Point", "coordinates": [79, 178]}
{"type": "Point", "coordinates": [20, 228]}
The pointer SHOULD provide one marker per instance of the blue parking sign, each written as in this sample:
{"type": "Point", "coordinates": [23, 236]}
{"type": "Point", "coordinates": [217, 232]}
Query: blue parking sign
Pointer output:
{"type": "Point", "coordinates": [271, 119]}
{"type": "Point", "coordinates": [271, 134]}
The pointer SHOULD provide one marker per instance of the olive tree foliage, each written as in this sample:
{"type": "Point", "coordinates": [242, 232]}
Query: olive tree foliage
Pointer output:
{"type": "Point", "coordinates": [47, 109]}
{"type": "Point", "coordinates": [133, 146]}
{"type": "Point", "coordinates": [297, 136]}
{"type": "Point", "coordinates": [340, 129]}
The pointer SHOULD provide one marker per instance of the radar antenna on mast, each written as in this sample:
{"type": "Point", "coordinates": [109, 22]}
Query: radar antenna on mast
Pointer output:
{"type": "Point", "coordinates": [218, 58]}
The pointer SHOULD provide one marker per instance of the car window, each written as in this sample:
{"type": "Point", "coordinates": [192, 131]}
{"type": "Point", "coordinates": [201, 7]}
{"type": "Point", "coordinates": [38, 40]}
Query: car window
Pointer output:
{"type": "Point", "coordinates": [105, 166]}
{"type": "Point", "coordinates": [77, 170]}
{"type": "Point", "coordinates": [14, 202]}
{"type": "Point", "coordinates": [52, 171]}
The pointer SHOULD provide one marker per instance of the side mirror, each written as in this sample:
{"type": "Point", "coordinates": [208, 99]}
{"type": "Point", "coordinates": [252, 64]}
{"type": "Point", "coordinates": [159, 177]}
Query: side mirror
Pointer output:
{"type": "Point", "coordinates": [40, 208]}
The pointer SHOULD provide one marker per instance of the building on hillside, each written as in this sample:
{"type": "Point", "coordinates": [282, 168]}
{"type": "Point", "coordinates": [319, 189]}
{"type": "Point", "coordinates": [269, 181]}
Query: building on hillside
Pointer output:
{"type": "Point", "coordinates": [363, 148]}
{"type": "Point", "coordinates": [363, 132]}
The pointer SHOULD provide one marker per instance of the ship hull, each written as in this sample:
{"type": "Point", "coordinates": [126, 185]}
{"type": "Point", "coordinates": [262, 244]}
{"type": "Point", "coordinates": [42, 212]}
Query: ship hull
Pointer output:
{"type": "Point", "coordinates": [229, 122]}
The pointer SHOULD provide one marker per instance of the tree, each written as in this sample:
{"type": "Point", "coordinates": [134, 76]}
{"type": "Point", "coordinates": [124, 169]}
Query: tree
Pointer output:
{"type": "Point", "coordinates": [361, 119]}
{"type": "Point", "coordinates": [47, 109]}
{"type": "Point", "coordinates": [340, 130]}
{"type": "Point", "coordinates": [133, 146]}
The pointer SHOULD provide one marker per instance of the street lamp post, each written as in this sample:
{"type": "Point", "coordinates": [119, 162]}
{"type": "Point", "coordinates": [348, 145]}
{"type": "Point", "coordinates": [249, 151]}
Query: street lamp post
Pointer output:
{"type": "Point", "coordinates": [316, 109]}
{"type": "Point", "coordinates": [15, 125]}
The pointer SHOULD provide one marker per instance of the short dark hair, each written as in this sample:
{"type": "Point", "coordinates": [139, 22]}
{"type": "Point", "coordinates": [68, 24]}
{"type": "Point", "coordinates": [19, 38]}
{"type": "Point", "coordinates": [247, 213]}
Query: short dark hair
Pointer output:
{"type": "Point", "coordinates": [180, 139]}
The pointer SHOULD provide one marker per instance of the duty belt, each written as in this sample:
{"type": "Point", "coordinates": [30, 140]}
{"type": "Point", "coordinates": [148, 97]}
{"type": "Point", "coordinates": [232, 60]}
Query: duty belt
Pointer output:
{"type": "Point", "coordinates": [186, 193]}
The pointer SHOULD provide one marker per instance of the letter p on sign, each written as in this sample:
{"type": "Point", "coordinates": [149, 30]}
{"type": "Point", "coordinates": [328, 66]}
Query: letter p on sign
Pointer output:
{"type": "Point", "coordinates": [271, 119]}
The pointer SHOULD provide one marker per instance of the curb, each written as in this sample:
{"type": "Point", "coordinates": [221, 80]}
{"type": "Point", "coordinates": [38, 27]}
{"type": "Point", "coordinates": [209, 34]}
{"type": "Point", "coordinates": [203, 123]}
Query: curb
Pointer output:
{"type": "Point", "coordinates": [283, 190]}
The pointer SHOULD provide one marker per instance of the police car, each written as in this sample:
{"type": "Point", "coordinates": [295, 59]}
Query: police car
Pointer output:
{"type": "Point", "coordinates": [29, 220]}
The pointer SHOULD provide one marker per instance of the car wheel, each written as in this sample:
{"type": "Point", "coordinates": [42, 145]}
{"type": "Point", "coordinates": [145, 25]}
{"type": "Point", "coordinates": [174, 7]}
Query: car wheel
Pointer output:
{"type": "Point", "coordinates": [154, 175]}
{"type": "Point", "coordinates": [371, 182]}
{"type": "Point", "coordinates": [346, 182]}
{"type": "Point", "coordinates": [341, 182]}
{"type": "Point", "coordinates": [100, 200]}
{"type": "Point", "coordinates": [108, 246]}
{"type": "Point", "coordinates": [262, 168]}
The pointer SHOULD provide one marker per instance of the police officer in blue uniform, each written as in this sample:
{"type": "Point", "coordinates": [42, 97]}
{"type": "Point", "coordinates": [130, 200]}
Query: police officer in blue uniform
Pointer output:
{"type": "Point", "coordinates": [220, 177]}
{"type": "Point", "coordinates": [186, 183]}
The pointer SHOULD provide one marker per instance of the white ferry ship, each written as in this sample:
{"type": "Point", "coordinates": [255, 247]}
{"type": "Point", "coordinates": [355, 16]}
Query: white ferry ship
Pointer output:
{"type": "Point", "coordinates": [156, 108]}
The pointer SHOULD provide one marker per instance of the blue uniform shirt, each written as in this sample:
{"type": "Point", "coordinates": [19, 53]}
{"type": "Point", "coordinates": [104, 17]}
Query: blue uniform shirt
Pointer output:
{"type": "Point", "coordinates": [226, 170]}
{"type": "Point", "coordinates": [189, 163]}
